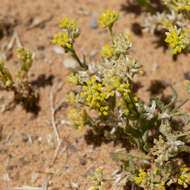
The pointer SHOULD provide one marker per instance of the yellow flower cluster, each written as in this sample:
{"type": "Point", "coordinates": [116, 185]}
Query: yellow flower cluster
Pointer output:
{"type": "Point", "coordinates": [147, 180]}
{"type": "Point", "coordinates": [178, 5]}
{"type": "Point", "coordinates": [184, 178]}
{"type": "Point", "coordinates": [177, 39]}
{"type": "Point", "coordinates": [96, 95]}
{"type": "Point", "coordinates": [96, 180]}
{"type": "Point", "coordinates": [78, 119]}
{"type": "Point", "coordinates": [125, 103]}
{"type": "Point", "coordinates": [5, 75]}
{"type": "Point", "coordinates": [141, 178]}
{"type": "Point", "coordinates": [74, 79]}
{"type": "Point", "coordinates": [71, 97]}
{"type": "Point", "coordinates": [66, 37]}
{"type": "Point", "coordinates": [70, 27]}
{"type": "Point", "coordinates": [107, 52]}
{"type": "Point", "coordinates": [62, 39]}
{"type": "Point", "coordinates": [161, 186]}
{"type": "Point", "coordinates": [108, 18]}
{"type": "Point", "coordinates": [25, 58]}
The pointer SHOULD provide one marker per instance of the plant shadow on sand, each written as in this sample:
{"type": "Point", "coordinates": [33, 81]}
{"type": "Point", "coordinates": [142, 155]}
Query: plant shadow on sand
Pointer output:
{"type": "Point", "coordinates": [31, 104]}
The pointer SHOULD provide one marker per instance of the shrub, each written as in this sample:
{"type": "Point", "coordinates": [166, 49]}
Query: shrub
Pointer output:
{"type": "Point", "coordinates": [110, 106]}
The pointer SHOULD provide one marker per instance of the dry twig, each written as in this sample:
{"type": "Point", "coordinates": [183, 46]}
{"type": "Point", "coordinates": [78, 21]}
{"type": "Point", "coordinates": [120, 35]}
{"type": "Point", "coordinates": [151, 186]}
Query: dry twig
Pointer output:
{"type": "Point", "coordinates": [43, 187]}
{"type": "Point", "coordinates": [54, 109]}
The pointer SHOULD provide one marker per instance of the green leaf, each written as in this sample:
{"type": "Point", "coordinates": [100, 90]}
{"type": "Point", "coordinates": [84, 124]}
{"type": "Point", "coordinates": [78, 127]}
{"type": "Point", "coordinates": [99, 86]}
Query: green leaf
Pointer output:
{"type": "Point", "coordinates": [184, 115]}
{"type": "Point", "coordinates": [159, 103]}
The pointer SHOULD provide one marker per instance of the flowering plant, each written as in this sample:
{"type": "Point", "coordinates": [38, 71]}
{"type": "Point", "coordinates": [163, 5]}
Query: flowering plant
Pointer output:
{"type": "Point", "coordinates": [23, 91]}
{"type": "Point", "coordinates": [173, 21]}
{"type": "Point", "coordinates": [110, 106]}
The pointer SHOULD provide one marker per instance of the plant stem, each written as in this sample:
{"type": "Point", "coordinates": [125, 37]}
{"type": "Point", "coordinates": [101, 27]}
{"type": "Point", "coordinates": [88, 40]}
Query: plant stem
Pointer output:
{"type": "Point", "coordinates": [75, 56]}
{"type": "Point", "coordinates": [180, 105]}
{"type": "Point", "coordinates": [111, 32]}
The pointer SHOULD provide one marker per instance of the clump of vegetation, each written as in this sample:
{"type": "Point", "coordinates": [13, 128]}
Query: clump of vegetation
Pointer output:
{"type": "Point", "coordinates": [20, 86]}
{"type": "Point", "coordinates": [174, 21]}
{"type": "Point", "coordinates": [110, 106]}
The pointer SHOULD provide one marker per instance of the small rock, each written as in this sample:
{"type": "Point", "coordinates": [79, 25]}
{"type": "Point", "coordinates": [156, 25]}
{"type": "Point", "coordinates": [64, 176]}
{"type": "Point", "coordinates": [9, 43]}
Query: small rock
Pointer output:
{"type": "Point", "coordinates": [70, 63]}
{"type": "Point", "coordinates": [186, 75]}
{"type": "Point", "coordinates": [83, 12]}
{"type": "Point", "coordinates": [6, 177]}
{"type": "Point", "coordinates": [93, 23]}
{"type": "Point", "coordinates": [93, 53]}
{"type": "Point", "coordinates": [154, 67]}
{"type": "Point", "coordinates": [58, 50]}
{"type": "Point", "coordinates": [40, 47]}
{"type": "Point", "coordinates": [11, 167]}
{"type": "Point", "coordinates": [72, 148]}
{"type": "Point", "coordinates": [82, 161]}
{"type": "Point", "coordinates": [74, 185]}
{"type": "Point", "coordinates": [23, 161]}
{"type": "Point", "coordinates": [32, 74]}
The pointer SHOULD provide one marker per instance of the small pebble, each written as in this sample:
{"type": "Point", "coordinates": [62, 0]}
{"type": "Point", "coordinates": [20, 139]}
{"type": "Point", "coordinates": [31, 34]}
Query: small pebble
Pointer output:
{"type": "Point", "coordinates": [93, 23]}
{"type": "Point", "coordinates": [32, 74]}
{"type": "Point", "coordinates": [82, 161]}
{"type": "Point", "coordinates": [72, 148]}
{"type": "Point", "coordinates": [154, 66]}
{"type": "Point", "coordinates": [93, 53]}
{"type": "Point", "coordinates": [58, 50]}
{"type": "Point", "coordinates": [6, 177]}
{"type": "Point", "coordinates": [41, 48]}
{"type": "Point", "coordinates": [186, 75]}
{"type": "Point", "coordinates": [74, 185]}
{"type": "Point", "coordinates": [70, 63]}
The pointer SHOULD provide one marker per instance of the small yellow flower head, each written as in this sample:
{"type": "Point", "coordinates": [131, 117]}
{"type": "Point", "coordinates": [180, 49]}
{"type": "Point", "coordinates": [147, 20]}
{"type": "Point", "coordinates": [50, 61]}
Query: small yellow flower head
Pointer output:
{"type": "Point", "coordinates": [141, 73]}
{"type": "Point", "coordinates": [96, 180]}
{"type": "Point", "coordinates": [63, 40]}
{"type": "Point", "coordinates": [108, 18]}
{"type": "Point", "coordinates": [67, 35]}
{"type": "Point", "coordinates": [74, 79]}
{"type": "Point", "coordinates": [78, 118]}
{"type": "Point", "coordinates": [186, 82]}
{"type": "Point", "coordinates": [70, 27]}
{"type": "Point", "coordinates": [99, 170]}
{"type": "Point", "coordinates": [5, 75]}
{"type": "Point", "coordinates": [141, 178]}
{"type": "Point", "coordinates": [107, 52]}
{"type": "Point", "coordinates": [177, 39]}
{"type": "Point", "coordinates": [178, 5]}
{"type": "Point", "coordinates": [25, 58]}
{"type": "Point", "coordinates": [160, 187]}
{"type": "Point", "coordinates": [184, 178]}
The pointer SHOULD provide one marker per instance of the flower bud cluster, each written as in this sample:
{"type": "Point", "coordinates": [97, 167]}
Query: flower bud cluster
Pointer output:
{"type": "Point", "coordinates": [108, 18]}
{"type": "Point", "coordinates": [78, 119]}
{"type": "Point", "coordinates": [96, 180]}
{"type": "Point", "coordinates": [178, 5]}
{"type": "Point", "coordinates": [177, 39]}
{"type": "Point", "coordinates": [69, 33]}
{"type": "Point", "coordinates": [184, 178]}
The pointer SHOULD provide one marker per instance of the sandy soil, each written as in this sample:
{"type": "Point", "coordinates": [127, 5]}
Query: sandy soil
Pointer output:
{"type": "Point", "coordinates": [25, 153]}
